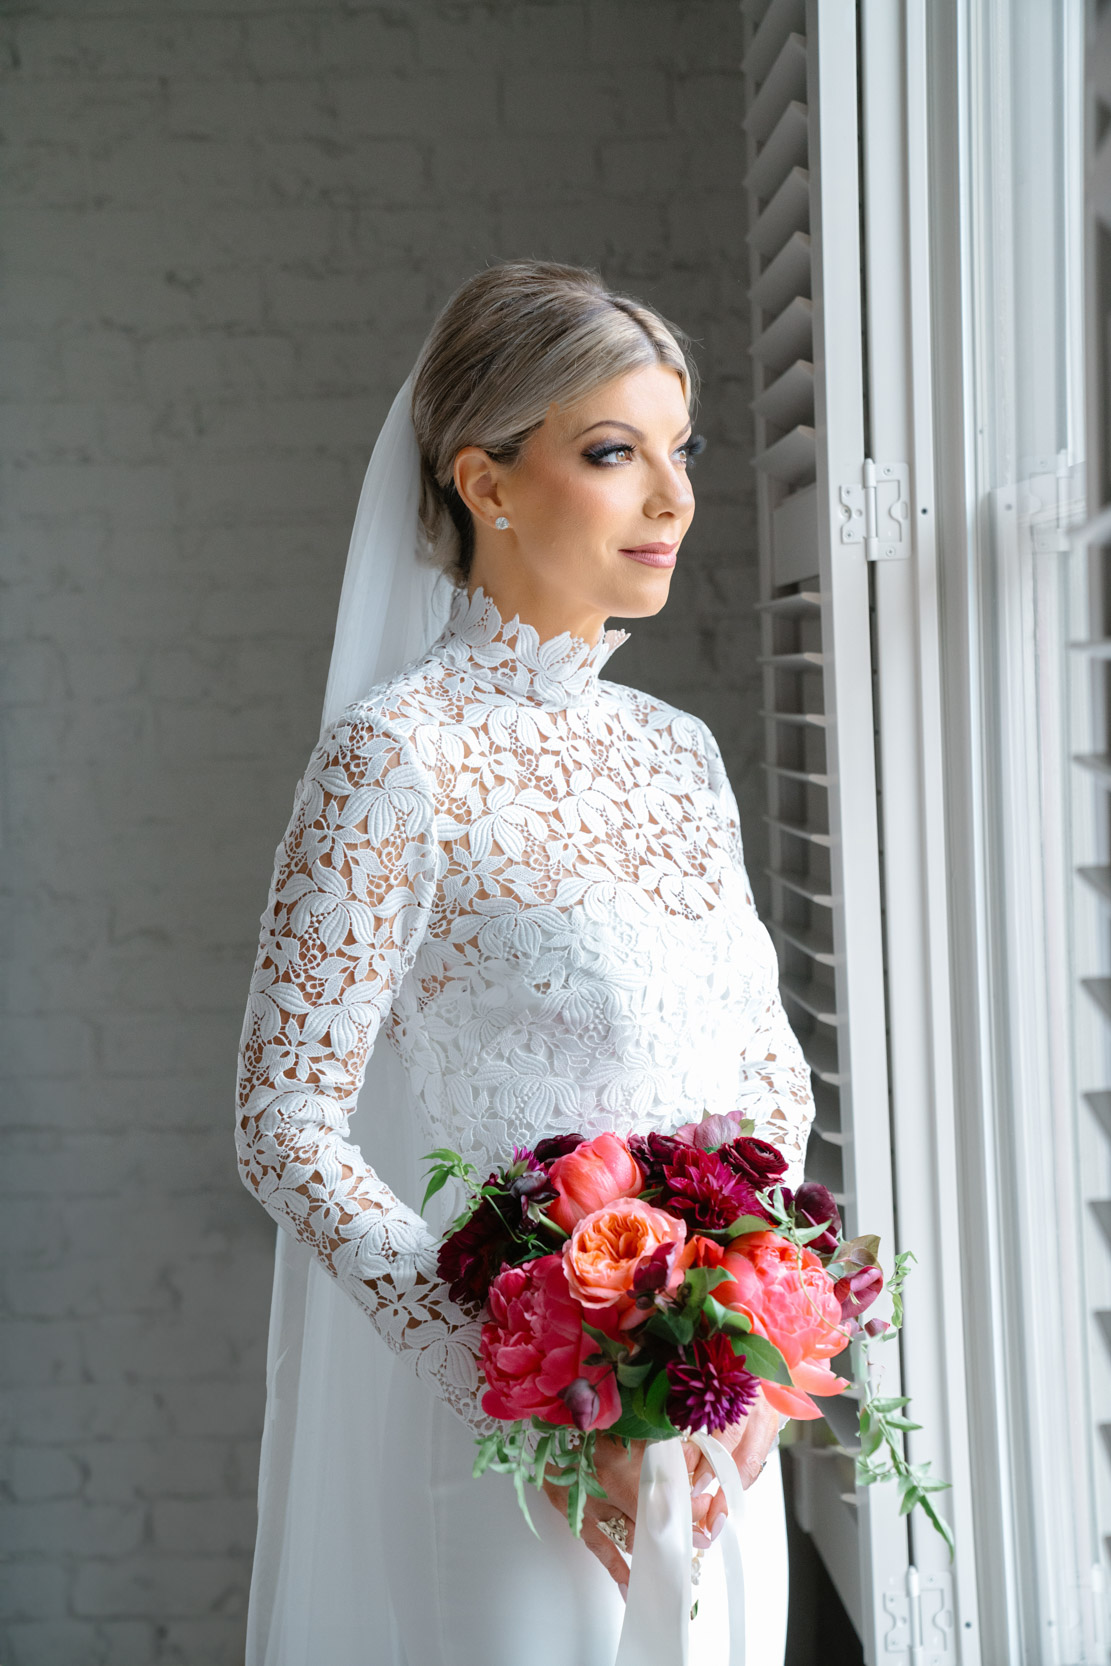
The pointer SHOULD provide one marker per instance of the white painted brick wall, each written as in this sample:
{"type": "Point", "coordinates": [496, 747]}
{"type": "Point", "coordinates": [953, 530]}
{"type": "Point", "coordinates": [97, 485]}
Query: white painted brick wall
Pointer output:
{"type": "Point", "coordinates": [227, 225]}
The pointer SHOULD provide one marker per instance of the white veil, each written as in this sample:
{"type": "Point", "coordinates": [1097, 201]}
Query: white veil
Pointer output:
{"type": "Point", "coordinates": [318, 1589]}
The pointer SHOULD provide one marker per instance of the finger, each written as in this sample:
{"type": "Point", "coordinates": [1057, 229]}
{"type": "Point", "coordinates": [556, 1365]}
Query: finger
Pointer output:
{"type": "Point", "coordinates": [607, 1553]}
{"type": "Point", "coordinates": [714, 1518]}
{"type": "Point", "coordinates": [621, 1481]}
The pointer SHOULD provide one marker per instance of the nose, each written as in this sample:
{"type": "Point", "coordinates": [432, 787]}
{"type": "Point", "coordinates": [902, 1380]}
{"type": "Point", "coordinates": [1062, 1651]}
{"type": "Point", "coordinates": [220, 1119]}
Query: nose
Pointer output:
{"type": "Point", "coordinates": [671, 492]}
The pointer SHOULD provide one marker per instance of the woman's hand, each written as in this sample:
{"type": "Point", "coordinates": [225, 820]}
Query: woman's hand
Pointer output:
{"type": "Point", "coordinates": [749, 1441]}
{"type": "Point", "coordinates": [619, 1473]}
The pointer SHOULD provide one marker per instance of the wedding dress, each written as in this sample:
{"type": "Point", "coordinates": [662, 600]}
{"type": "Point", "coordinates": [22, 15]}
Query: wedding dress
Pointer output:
{"type": "Point", "coordinates": [528, 882]}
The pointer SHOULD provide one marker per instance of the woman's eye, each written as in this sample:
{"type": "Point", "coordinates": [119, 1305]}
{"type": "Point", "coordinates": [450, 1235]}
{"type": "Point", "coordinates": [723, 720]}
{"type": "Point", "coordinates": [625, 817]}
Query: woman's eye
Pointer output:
{"type": "Point", "coordinates": [606, 455]}
{"type": "Point", "coordinates": [692, 448]}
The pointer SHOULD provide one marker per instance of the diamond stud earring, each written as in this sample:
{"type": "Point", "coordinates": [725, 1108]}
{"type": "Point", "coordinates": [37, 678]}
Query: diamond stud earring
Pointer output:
{"type": "Point", "coordinates": [501, 523]}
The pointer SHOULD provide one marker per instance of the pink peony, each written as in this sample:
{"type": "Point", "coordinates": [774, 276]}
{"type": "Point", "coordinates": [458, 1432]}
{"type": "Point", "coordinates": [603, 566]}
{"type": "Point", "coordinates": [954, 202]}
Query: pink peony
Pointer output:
{"type": "Point", "coordinates": [591, 1176]}
{"type": "Point", "coordinates": [533, 1350]}
{"type": "Point", "coordinates": [796, 1309]}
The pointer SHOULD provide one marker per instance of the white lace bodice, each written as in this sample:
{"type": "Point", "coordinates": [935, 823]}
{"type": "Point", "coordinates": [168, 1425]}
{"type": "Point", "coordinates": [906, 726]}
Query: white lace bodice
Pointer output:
{"type": "Point", "coordinates": [531, 881]}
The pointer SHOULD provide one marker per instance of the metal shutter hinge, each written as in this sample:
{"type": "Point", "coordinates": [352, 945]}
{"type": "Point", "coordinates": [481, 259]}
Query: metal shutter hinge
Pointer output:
{"type": "Point", "coordinates": [921, 1619]}
{"type": "Point", "coordinates": [876, 513]}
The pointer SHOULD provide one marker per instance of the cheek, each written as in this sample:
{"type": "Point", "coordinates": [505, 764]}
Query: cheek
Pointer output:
{"type": "Point", "coordinates": [571, 502]}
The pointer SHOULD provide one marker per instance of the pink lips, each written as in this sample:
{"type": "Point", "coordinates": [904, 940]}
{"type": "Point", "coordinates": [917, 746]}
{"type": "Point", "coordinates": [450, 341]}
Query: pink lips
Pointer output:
{"type": "Point", "coordinates": [653, 555]}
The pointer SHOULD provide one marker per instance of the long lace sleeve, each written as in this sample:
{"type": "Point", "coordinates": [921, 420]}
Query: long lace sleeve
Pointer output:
{"type": "Point", "coordinates": [775, 1080]}
{"type": "Point", "coordinates": [349, 902]}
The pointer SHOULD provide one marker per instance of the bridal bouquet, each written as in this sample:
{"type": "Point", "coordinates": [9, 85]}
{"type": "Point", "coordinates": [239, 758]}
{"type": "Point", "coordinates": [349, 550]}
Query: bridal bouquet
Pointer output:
{"type": "Point", "coordinates": [648, 1287]}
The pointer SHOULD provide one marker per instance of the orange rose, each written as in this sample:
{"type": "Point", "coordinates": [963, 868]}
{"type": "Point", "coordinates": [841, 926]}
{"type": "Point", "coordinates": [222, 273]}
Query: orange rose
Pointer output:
{"type": "Point", "coordinates": [591, 1176]}
{"type": "Point", "coordinates": [606, 1248]}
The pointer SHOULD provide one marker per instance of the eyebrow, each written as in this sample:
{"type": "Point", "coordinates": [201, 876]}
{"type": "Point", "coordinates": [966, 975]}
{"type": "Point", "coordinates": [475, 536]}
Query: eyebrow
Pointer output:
{"type": "Point", "coordinates": [612, 422]}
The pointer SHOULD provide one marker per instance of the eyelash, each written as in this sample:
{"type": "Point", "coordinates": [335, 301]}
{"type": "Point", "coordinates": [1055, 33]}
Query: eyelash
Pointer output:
{"type": "Point", "coordinates": [596, 454]}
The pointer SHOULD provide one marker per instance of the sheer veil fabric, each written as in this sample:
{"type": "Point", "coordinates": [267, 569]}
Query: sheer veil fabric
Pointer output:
{"type": "Point", "coordinates": [319, 1568]}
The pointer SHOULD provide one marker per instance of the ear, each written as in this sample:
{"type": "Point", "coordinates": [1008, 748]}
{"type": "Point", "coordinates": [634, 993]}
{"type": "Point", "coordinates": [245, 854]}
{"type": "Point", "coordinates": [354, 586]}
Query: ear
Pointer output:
{"type": "Point", "coordinates": [477, 480]}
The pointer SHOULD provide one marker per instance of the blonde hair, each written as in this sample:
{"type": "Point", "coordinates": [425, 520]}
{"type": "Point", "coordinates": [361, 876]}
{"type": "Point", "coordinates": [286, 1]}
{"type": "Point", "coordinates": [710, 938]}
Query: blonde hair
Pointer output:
{"type": "Point", "coordinates": [513, 339]}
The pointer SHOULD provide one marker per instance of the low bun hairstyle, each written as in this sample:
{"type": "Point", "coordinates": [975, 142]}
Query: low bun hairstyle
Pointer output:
{"type": "Point", "coordinates": [510, 341]}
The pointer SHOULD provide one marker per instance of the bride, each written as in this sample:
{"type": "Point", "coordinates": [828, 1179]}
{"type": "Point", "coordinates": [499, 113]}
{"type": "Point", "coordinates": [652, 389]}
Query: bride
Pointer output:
{"type": "Point", "coordinates": [510, 903]}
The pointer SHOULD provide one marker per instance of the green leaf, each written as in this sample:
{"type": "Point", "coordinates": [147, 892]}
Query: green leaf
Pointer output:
{"type": "Point", "coordinates": [860, 1252]}
{"type": "Point", "coordinates": [700, 1281]}
{"type": "Point", "coordinates": [436, 1184]}
{"type": "Point", "coordinates": [726, 1318]}
{"type": "Point", "coordinates": [656, 1399]}
{"type": "Point", "coordinates": [764, 1360]}
{"type": "Point", "coordinates": [870, 1441]}
{"type": "Point", "coordinates": [630, 1426]}
{"type": "Point", "coordinates": [748, 1223]}
{"type": "Point", "coordinates": [672, 1326]}
{"type": "Point", "coordinates": [611, 1348]}
{"type": "Point", "coordinates": [890, 1405]}
{"type": "Point", "coordinates": [806, 1234]}
{"type": "Point", "coordinates": [631, 1376]}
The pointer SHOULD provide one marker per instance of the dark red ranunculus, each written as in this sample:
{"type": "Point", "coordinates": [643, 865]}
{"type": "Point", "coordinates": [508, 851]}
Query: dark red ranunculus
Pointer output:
{"type": "Point", "coordinates": [757, 1161]}
{"type": "Point", "coordinates": [704, 1192]}
{"type": "Point", "coordinates": [470, 1259]}
{"type": "Point", "coordinates": [652, 1152]}
{"type": "Point", "coordinates": [711, 1388]}
{"type": "Point", "coordinates": [560, 1145]}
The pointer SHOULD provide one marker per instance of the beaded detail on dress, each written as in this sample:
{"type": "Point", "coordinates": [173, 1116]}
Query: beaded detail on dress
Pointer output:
{"type": "Point", "coordinates": [530, 881]}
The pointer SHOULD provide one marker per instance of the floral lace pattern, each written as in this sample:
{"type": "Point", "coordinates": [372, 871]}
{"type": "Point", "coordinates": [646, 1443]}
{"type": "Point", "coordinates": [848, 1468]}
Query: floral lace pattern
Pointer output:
{"type": "Point", "coordinates": [531, 881]}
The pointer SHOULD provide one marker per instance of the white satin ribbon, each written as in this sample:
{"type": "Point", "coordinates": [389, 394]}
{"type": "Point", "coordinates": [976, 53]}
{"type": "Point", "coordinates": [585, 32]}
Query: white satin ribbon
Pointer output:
{"type": "Point", "coordinates": [656, 1631]}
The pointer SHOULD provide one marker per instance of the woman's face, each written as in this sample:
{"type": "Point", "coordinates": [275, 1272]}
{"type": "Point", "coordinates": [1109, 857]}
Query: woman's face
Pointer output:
{"type": "Point", "coordinates": [598, 503]}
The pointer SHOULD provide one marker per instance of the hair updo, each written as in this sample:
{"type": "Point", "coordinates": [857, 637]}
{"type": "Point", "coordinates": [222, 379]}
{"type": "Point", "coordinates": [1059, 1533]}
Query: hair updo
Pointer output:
{"type": "Point", "coordinates": [513, 339]}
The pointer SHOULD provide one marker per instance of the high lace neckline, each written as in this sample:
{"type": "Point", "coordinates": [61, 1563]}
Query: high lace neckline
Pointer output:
{"type": "Point", "coordinates": [508, 653]}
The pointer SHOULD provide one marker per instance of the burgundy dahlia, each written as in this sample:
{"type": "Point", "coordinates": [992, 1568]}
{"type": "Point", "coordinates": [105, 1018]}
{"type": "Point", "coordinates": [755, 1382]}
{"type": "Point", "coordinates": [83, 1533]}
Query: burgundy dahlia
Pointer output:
{"type": "Point", "coordinates": [704, 1192]}
{"type": "Point", "coordinates": [711, 1388]}
{"type": "Point", "coordinates": [472, 1258]}
{"type": "Point", "coordinates": [757, 1161]}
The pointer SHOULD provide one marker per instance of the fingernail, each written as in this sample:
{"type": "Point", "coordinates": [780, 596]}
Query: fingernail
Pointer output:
{"type": "Point", "coordinates": [704, 1485]}
{"type": "Point", "coordinates": [702, 1539]}
{"type": "Point", "coordinates": [624, 1589]}
{"type": "Point", "coordinates": [716, 1528]}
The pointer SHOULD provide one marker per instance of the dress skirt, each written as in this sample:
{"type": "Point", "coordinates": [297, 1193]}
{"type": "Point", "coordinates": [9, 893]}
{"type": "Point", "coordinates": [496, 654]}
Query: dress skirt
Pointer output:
{"type": "Point", "coordinates": [471, 1586]}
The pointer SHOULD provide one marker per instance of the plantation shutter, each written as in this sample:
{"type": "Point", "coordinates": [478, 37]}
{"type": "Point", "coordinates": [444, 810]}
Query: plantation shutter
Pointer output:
{"type": "Point", "coordinates": [822, 511]}
{"type": "Point", "coordinates": [1091, 706]}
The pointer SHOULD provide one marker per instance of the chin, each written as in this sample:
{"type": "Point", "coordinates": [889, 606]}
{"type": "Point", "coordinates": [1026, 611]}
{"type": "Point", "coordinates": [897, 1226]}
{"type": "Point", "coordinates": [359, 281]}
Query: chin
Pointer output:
{"type": "Point", "coordinates": [643, 597]}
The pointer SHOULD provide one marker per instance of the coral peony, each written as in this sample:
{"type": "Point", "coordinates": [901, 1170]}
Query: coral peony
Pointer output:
{"type": "Point", "coordinates": [591, 1176]}
{"type": "Point", "coordinates": [795, 1308]}
{"type": "Point", "coordinates": [607, 1247]}
{"type": "Point", "coordinates": [534, 1348]}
